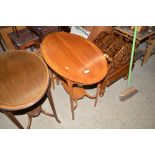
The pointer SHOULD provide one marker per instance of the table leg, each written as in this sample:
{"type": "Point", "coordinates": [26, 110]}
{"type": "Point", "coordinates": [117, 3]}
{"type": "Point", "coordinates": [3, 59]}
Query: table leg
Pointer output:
{"type": "Point", "coordinates": [97, 93]}
{"type": "Point", "coordinates": [148, 51]}
{"type": "Point", "coordinates": [50, 98]}
{"type": "Point", "coordinates": [29, 122]}
{"type": "Point", "coordinates": [102, 88]}
{"type": "Point", "coordinates": [13, 119]}
{"type": "Point", "coordinates": [70, 88]}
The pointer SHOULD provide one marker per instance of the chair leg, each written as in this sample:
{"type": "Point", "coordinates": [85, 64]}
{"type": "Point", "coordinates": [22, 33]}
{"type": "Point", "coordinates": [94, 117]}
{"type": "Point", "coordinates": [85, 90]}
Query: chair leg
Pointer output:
{"type": "Point", "coordinates": [14, 28]}
{"type": "Point", "coordinates": [13, 119]}
{"type": "Point", "coordinates": [50, 98]}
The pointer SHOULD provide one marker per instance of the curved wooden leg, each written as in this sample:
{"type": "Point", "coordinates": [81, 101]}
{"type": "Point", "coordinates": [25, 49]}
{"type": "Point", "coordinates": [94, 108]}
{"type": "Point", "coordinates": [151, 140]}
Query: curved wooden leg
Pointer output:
{"type": "Point", "coordinates": [75, 105]}
{"type": "Point", "coordinates": [47, 113]}
{"type": "Point", "coordinates": [91, 96]}
{"type": "Point", "coordinates": [49, 95]}
{"type": "Point", "coordinates": [29, 122]}
{"type": "Point", "coordinates": [70, 87]}
{"type": "Point", "coordinates": [97, 94]}
{"type": "Point", "coordinates": [13, 119]}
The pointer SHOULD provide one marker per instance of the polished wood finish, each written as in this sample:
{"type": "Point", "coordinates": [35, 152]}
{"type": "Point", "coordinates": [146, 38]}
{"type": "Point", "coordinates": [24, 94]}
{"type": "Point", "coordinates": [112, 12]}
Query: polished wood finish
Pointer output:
{"type": "Point", "coordinates": [76, 59]}
{"type": "Point", "coordinates": [21, 84]}
{"type": "Point", "coordinates": [24, 80]}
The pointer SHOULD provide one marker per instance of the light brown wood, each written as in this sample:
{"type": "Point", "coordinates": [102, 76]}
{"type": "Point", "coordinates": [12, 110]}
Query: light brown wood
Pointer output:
{"type": "Point", "coordinates": [78, 92]}
{"type": "Point", "coordinates": [21, 84]}
{"type": "Point", "coordinates": [77, 60]}
{"type": "Point", "coordinates": [74, 58]}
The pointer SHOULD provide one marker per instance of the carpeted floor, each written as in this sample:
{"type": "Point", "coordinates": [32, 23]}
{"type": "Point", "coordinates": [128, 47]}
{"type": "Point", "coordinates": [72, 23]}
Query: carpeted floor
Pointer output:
{"type": "Point", "coordinates": [136, 112]}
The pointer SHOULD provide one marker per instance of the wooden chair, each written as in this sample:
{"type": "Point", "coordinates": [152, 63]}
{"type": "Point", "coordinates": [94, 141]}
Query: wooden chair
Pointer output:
{"type": "Point", "coordinates": [23, 38]}
{"type": "Point", "coordinates": [24, 82]}
{"type": "Point", "coordinates": [117, 52]}
{"type": "Point", "coordinates": [2, 43]}
{"type": "Point", "coordinates": [42, 31]}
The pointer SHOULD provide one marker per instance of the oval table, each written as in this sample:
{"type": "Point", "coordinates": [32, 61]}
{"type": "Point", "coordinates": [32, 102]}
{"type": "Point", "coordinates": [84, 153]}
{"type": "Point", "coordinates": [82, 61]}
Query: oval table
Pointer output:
{"type": "Point", "coordinates": [24, 80]}
{"type": "Point", "coordinates": [77, 60]}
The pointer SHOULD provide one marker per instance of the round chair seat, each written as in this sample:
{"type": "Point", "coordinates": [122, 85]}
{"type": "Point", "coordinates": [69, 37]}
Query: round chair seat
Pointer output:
{"type": "Point", "coordinates": [24, 80]}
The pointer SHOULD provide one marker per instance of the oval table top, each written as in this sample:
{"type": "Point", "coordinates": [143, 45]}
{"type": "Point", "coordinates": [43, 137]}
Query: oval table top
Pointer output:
{"type": "Point", "coordinates": [24, 79]}
{"type": "Point", "coordinates": [74, 57]}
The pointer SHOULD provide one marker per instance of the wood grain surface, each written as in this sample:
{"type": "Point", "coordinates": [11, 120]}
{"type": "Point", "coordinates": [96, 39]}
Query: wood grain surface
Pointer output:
{"type": "Point", "coordinates": [74, 58]}
{"type": "Point", "coordinates": [24, 79]}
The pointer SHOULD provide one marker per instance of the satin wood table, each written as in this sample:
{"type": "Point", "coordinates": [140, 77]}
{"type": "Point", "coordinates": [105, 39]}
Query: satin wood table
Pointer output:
{"type": "Point", "coordinates": [77, 60]}
{"type": "Point", "coordinates": [24, 80]}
